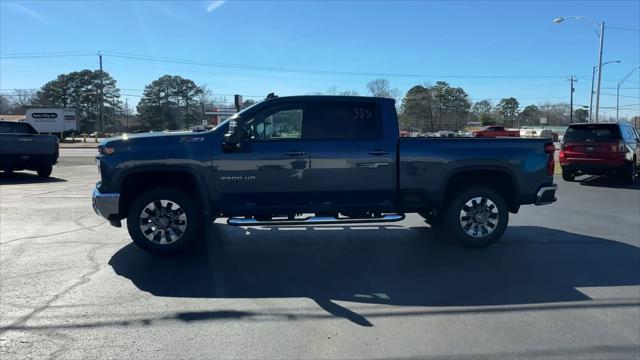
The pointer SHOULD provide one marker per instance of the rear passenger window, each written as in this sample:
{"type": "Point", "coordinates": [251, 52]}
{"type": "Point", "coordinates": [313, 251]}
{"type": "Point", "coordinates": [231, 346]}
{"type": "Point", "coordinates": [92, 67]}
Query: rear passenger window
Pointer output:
{"type": "Point", "coordinates": [630, 134]}
{"type": "Point", "coordinates": [347, 120]}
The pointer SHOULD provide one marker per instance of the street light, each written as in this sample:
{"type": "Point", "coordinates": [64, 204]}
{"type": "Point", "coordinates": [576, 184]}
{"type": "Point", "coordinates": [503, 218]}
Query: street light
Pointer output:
{"type": "Point", "coordinates": [618, 90]}
{"type": "Point", "coordinates": [593, 75]}
{"type": "Point", "coordinates": [600, 35]}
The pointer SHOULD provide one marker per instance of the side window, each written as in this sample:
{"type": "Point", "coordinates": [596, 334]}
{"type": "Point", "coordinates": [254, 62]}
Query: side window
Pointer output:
{"type": "Point", "coordinates": [626, 134]}
{"type": "Point", "coordinates": [347, 120]}
{"type": "Point", "coordinates": [632, 134]}
{"type": "Point", "coordinates": [275, 124]}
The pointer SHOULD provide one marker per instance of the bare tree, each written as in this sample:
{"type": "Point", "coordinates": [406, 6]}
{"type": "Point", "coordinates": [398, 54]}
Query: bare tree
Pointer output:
{"type": "Point", "coordinates": [332, 90]}
{"type": "Point", "coordinates": [382, 88]}
{"type": "Point", "coordinates": [204, 99]}
{"type": "Point", "coordinates": [23, 99]}
{"type": "Point", "coordinates": [5, 105]}
{"type": "Point", "coordinates": [349, 93]}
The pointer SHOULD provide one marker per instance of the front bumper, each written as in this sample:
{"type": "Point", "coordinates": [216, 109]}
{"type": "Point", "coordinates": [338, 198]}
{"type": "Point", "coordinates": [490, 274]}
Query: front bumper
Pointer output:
{"type": "Point", "coordinates": [546, 195]}
{"type": "Point", "coordinates": [107, 205]}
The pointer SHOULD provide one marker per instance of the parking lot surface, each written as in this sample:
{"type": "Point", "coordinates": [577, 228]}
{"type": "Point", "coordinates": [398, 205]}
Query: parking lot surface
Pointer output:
{"type": "Point", "coordinates": [563, 283]}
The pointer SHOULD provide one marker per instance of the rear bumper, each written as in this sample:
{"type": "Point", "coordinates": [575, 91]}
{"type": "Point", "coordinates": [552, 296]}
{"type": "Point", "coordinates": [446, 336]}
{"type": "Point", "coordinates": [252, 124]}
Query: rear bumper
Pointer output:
{"type": "Point", "coordinates": [26, 161]}
{"type": "Point", "coordinates": [592, 165]}
{"type": "Point", "coordinates": [107, 205]}
{"type": "Point", "coordinates": [546, 195]}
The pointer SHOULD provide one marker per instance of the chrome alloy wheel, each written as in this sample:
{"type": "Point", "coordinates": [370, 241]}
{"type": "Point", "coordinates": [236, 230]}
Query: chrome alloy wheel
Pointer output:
{"type": "Point", "coordinates": [163, 222]}
{"type": "Point", "coordinates": [479, 217]}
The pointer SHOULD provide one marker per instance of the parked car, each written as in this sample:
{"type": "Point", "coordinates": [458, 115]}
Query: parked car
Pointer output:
{"type": "Point", "coordinates": [494, 131]}
{"type": "Point", "coordinates": [446, 133]}
{"type": "Point", "coordinates": [340, 158]}
{"type": "Point", "coordinates": [600, 148]}
{"type": "Point", "coordinates": [22, 148]}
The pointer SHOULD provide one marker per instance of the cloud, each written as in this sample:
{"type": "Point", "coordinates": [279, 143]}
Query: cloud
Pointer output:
{"type": "Point", "coordinates": [214, 5]}
{"type": "Point", "coordinates": [31, 13]}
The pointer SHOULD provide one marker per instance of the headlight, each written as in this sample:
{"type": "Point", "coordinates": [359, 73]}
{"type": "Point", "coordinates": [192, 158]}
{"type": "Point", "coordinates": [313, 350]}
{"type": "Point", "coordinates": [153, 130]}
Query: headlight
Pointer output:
{"type": "Point", "coordinates": [106, 150]}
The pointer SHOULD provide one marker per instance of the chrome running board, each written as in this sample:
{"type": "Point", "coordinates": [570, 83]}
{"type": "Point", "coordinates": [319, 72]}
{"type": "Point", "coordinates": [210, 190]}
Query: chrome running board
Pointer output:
{"type": "Point", "coordinates": [315, 220]}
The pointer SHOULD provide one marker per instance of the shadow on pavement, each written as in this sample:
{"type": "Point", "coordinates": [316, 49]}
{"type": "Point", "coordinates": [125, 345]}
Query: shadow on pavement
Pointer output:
{"type": "Point", "coordinates": [608, 181]}
{"type": "Point", "coordinates": [21, 178]}
{"type": "Point", "coordinates": [388, 265]}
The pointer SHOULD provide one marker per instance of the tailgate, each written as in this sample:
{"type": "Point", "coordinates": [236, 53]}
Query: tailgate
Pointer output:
{"type": "Point", "coordinates": [592, 150]}
{"type": "Point", "coordinates": [27, 144]}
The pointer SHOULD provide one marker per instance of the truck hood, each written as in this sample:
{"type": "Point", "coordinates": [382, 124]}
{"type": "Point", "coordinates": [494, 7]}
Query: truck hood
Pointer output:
{"type": "Point", "coordinates": [153, 139]}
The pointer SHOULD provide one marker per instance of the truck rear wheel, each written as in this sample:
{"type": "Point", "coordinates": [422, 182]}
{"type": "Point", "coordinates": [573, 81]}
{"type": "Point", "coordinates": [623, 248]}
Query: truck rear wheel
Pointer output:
{"type": "Point", "coordinates": [164, 220]}
{"type": "Point", "coordinates": [629, 173]}
{"type": "Point", "coordinates": [44, 171]}
{"type": "Point", "coordinates": [477, 216]}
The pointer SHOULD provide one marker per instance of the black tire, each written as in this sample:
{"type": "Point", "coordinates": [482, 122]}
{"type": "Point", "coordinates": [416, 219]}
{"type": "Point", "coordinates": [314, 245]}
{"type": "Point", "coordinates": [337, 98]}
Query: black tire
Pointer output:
{"type": "Point", "coordinates": [490, 223]}
{"type": "Point", "coordinates": [568, 175]}
{"type": "Point", "coordinates": [44, 171]}
{"type": "Point", "coordinates": [176, 208]}
{"type": "Point", "coordinates": [629, 174]}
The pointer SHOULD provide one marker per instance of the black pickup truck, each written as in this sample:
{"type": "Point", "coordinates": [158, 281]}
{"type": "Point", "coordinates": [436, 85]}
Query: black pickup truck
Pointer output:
{"type": "Point", "coordinates": [22, 148]}
{"type": "Point", "coordinates": [316, 160]}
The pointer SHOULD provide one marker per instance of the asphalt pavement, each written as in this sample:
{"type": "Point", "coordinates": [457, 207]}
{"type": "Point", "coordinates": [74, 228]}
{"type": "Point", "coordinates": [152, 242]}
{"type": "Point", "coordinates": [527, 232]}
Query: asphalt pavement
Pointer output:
{"type": "Point", "coordinates": [563, 283]}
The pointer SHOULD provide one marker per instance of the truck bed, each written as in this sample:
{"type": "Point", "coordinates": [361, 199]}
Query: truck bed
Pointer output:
{"type": "Point", "coordinates": [425, 164]}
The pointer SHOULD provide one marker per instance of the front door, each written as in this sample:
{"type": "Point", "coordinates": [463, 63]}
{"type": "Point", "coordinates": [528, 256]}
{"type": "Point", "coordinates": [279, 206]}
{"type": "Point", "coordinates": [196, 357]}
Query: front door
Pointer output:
{"type": "Point", "coordinates": [268, 173]}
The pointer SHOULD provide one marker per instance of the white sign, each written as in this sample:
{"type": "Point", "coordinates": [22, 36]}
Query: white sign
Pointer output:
{"type": "Point", "coordinates": [543, 120]}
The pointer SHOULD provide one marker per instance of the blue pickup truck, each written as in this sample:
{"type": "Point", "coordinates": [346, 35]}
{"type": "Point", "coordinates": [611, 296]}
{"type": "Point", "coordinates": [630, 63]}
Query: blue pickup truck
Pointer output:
{"type": "Point", "coordinates": [316, 160]}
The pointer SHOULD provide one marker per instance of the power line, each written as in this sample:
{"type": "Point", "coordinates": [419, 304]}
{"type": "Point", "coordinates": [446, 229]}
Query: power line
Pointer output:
{"type": "Point", "coordinates": [140, 57]}
{"type": "Point", "coordinates": [9, 57]}
{"type": "Point", "coordinates": [622, 96]}
{"type": "Point", "coordinates": [622, 28]}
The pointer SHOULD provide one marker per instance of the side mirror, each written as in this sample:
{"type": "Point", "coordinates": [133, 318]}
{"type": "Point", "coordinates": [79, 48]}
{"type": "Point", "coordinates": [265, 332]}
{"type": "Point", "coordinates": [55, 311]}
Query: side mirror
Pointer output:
{"type": "Point", "coordinates": [231, 138]}
{"type": "Point", "coordinates": [231, 142]}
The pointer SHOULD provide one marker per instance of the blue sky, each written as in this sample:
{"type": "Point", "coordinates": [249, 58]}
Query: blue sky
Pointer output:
{"type": "Point", "coordinates": [491, 49]}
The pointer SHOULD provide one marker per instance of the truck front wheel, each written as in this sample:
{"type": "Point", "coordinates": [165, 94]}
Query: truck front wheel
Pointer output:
{"type": "Point", "coordinates": [164, 220]}
{"type": "Point", "coordinates": [477, 216]}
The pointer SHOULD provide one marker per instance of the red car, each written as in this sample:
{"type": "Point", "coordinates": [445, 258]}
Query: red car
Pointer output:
{"type": "Point", "coordinates": [495, 131]}
{"type": "Point", "coordinates": [600, 148]}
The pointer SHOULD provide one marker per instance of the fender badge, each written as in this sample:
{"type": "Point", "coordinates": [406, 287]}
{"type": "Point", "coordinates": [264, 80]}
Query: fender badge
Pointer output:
{"type": "Point", "coordinates": [191, 139]}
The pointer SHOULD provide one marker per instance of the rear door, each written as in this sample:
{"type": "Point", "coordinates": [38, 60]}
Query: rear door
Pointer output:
{"type": "Point", "coordinates": [351, 161]}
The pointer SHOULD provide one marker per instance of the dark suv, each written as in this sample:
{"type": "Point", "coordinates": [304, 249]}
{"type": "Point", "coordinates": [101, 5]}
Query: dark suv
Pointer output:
{"type": "Point", "coordinates": [600, 148]}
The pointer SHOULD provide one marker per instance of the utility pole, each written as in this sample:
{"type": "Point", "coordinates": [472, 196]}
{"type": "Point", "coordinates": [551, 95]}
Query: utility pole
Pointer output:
{"type": "Point", "coordinates": [618, 92]}
{"type": "Point", "coordinates": [101, 114]}
{"type": "Point", "coordinates": [571, 80]}
{"type": "Point", "coordinates": [599, 69]}
{"type": "Point", "coordinates": [593, 75]}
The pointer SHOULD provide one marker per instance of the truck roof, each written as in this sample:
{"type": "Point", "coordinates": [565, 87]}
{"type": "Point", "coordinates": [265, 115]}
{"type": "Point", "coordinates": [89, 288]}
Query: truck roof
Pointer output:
{"type": "Point", "coordinates": [328, 97]}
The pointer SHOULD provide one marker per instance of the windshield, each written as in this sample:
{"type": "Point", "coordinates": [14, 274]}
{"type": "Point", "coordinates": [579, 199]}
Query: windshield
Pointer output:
{"type": "Point", "coordinates": [592, 133]}
{"type": "Point", "coordinates": [16, 128]}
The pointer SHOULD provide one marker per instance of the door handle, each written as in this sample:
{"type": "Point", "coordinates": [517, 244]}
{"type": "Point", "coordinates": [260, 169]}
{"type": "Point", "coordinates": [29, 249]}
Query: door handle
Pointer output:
{"type": "Point", "coordinates": [378, 152]}
{"type": "Point", "coordinates": [294, 153]}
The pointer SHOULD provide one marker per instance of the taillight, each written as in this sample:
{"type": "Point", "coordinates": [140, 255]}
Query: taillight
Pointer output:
{"type": "Point", "coordinates": [550, 149]}
{"type": "Point", "coordinates": [620, 147]}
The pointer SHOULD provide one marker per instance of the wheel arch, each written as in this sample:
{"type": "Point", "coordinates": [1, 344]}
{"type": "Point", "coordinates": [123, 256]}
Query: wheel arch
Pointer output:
{"type": "Point", "coordinates": [136, 181]}
{"type": "Point", "coordinates": [501, 179]}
